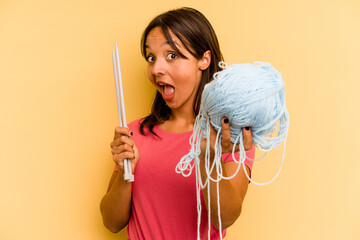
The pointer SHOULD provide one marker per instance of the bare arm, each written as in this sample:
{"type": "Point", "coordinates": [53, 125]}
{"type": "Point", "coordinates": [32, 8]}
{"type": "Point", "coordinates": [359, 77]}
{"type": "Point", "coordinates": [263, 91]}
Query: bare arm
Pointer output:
{"type": "Point", "coordinates": [115, 206]}
{"type": "Point", "coordinates": [233, 191]}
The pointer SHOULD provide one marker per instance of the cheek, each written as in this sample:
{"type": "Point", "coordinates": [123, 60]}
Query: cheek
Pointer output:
{"type": "Point", "coordinates": [150, 76]}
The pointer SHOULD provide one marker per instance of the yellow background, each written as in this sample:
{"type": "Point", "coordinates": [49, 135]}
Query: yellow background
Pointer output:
{"type": "Point", "coordinates": [58, 111]}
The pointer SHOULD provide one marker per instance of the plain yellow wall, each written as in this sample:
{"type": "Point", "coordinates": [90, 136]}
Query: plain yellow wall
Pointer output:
{"type": "Point", "coordinates": [58, 111]}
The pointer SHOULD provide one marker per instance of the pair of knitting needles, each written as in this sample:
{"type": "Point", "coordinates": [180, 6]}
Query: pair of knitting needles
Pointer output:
{"type": "Point", "coordinates": [128, 176]}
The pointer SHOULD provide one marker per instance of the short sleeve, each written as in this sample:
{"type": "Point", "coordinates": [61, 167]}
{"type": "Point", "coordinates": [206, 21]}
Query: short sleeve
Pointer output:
{"type": "Point", "coordinates": [227, 157]}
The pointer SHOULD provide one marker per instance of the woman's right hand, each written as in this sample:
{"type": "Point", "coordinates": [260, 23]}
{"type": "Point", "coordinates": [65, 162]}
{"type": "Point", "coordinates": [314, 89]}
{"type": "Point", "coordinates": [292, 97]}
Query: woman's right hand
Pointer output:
{"type": "Point", "coordinates": [123, 147]}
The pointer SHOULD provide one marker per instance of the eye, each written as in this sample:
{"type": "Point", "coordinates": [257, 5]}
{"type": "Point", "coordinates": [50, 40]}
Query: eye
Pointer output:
{"type": "Point", "coordinates": [172, 56]}
{"type": "Point", "coordinates": [150, 58]}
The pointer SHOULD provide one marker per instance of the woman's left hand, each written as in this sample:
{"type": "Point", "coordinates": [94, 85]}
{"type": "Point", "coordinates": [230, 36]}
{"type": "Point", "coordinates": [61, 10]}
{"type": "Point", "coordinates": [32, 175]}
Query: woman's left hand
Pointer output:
{"type": "Point", "coordinates": [226, 144]}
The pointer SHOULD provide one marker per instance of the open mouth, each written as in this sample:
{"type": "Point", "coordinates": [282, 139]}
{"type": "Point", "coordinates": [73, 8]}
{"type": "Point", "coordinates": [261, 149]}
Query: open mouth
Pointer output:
{"type": "Point", "coordinates": [168, 91]}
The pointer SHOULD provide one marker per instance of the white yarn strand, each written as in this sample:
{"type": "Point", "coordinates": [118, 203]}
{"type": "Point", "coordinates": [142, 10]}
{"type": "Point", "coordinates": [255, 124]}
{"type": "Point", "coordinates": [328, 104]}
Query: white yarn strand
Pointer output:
{"type": "Point", "coordinates": [248, 95]}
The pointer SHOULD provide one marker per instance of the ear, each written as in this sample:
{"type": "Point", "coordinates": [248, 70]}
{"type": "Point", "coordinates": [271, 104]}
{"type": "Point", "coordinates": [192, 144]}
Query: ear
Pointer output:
{"type": "Point", "coordinates": [205, 61]}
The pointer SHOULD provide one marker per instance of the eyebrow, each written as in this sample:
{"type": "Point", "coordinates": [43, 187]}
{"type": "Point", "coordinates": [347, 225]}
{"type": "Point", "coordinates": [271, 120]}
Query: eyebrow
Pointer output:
{"type": "Point", "coordinates": [174, 45]}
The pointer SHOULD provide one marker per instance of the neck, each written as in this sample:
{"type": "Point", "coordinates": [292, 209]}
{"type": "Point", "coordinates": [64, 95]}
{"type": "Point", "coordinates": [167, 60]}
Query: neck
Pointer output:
{"type": "Point", "coordinates": [181, 120]}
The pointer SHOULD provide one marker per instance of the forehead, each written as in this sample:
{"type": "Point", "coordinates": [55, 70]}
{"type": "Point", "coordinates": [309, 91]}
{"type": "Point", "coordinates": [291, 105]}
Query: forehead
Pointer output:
{"type": "Point", "coordinates": [157, 36]}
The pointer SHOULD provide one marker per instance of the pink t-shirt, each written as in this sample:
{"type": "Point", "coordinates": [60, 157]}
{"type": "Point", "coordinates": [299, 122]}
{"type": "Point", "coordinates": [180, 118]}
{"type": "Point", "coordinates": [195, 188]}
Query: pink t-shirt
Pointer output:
{"type": "Point", "coordinates": [163, 201]}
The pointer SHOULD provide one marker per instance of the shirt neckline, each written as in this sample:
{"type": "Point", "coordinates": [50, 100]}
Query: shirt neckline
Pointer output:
{"type": "Point", "coordinates": [159, 129]}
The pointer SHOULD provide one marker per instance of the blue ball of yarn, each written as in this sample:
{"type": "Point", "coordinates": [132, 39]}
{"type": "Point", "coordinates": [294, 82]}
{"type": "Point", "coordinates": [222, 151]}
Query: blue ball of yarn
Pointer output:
{"type": "Point", "coordinates": [248, 95]}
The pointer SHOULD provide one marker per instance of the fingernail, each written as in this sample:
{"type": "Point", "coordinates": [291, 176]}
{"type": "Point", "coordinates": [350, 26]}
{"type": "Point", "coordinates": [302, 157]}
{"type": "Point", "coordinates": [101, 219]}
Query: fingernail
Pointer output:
{"type": "Point", "coordinates": [131, 133]}
{"type": "Point", "coordinates": [247, 128]}
{"type": "Point", "coordinates": [226, 120]}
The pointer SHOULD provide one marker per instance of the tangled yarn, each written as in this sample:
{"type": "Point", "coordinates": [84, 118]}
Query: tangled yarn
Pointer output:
{"type": "Point", "coordinates": [248, 95]}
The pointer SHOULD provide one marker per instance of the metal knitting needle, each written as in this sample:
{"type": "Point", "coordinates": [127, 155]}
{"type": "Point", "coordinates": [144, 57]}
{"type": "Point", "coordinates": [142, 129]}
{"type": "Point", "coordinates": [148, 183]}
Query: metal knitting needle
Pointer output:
{"type": "Point", "coordinates": [121, 107]}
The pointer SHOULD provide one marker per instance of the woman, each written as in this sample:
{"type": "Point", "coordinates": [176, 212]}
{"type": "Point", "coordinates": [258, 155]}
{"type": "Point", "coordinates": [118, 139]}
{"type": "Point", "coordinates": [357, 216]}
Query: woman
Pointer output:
{"type": "Point", "coordinates": [183, 53]}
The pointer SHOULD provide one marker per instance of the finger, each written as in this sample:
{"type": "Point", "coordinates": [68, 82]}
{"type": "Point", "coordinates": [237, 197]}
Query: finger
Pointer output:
{"type": "Point", "coordinates": [119, 158]}
{"type": "Point", "coordinates": [248, 140]}
{"type": "Point", "coordinates": [226, 135]}
{"type": "Point", "coordinates": [123, 139]}
{"type": "Point", "coordinates": [119, 131]}
{"type": "Point", "coordinates": [122, 148]}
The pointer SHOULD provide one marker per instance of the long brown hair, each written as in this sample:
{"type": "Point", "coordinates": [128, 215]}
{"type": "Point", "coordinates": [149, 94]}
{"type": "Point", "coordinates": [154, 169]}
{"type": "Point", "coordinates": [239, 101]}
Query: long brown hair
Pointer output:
{"type": "Point", "coordinates": [194, 31]}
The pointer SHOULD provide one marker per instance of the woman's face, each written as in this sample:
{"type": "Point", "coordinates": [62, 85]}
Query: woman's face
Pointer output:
{"type": "Point", "coordinates": [176, 78]}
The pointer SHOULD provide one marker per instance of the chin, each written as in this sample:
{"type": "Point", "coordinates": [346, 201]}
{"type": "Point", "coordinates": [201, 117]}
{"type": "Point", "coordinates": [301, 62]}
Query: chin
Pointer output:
{"type": "Point", "coordinates": [172, 105]}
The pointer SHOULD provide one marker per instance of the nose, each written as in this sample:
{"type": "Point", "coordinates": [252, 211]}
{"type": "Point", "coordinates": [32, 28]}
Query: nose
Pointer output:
{"type": "Point", "coordinates": [158, 67]}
